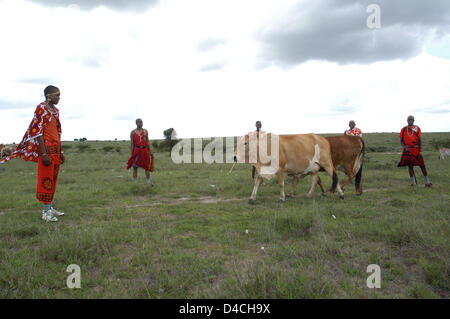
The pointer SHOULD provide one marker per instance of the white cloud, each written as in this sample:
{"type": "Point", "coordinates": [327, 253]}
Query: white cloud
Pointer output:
{"type": "Point", "coordinates": [113, 67]}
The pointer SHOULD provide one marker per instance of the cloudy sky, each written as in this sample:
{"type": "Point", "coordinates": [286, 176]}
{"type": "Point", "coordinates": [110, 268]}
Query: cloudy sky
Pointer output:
{"type": "Point", "coordinates": [214, 67]}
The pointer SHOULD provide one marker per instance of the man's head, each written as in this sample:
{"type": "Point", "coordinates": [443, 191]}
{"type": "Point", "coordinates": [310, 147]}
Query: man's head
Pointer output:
{"type": "Point", "coordinates": [139, 123]}
{"type": "Point", "coordinates": [351, 124]}
{"type": "Point", "coordinates": [258, 125]}
{"type": "Point", "coordinates": [410, 120]}
{"type": "Point", "coordinates": [52, 94]}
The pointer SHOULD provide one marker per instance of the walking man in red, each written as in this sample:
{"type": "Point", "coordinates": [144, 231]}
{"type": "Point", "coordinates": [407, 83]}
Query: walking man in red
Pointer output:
{"type": "Point", "coordinates": [42, 144]}
{"type": "Point", "coordinates": [410, 139]}
{"type": "Point", "coordinates": [140, 152]}
{"type": "Point", "coordinates": [353, 131]}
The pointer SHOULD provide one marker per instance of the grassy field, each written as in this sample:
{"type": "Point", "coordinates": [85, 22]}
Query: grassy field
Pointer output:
{"type": "Point", "coordinates": [186, 236]}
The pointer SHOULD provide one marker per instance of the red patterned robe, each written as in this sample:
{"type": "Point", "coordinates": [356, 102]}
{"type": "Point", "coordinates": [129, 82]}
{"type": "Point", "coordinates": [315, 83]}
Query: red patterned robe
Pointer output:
{"type": "Point", "coordinates": [354, 132]}
{"type": "Point", "coordinates": [47, 125]}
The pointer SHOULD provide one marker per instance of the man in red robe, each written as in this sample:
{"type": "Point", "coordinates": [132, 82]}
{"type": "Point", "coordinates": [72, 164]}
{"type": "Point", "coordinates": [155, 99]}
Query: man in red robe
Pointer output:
{"type": "Point", "coordinates": [410, 139]}
{"type": "Point", "coordinates": [141, 153]}
{"type": "Point", "coordinates": [42, 144]}
{"type": "Point", "coordinates": [353, 131]}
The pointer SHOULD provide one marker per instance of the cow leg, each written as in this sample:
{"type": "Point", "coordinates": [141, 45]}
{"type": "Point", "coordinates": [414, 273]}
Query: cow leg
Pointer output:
{"type": "Point", "coordinates": [294, 184]}
{"type": "Point", "coordinates": [281, 183]}
{"type": "Point", "coordinates": [319, 181]}
{"type": "Point", "coordinates": [332, 172]}
{"type": "Point", "coordinates": [255, 189]}
{"type": "Point", "coordinates": [350, 175]}
{"type": "Point", "coordinates": [315, 178]}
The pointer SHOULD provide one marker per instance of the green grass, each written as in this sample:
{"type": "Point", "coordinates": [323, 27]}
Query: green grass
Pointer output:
{"type": "Point", "coordinates": [186, 237]}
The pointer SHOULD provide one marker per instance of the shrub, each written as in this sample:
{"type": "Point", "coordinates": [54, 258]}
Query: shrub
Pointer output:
{"type": "Point", "coordinates": [107, 148]}
{"type": "Point", "coordinates": [82, 147]}
{"type": "Point", "coordinates": [437, 144]}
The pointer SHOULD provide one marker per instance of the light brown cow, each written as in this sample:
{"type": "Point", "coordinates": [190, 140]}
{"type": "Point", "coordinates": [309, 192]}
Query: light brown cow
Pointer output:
{"type": "Point", "coordinates": [347, 153]}
{"type": "Point", "coordinates": [298, 155]}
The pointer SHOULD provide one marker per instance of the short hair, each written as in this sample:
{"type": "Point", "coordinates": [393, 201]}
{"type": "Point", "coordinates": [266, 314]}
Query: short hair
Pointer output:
{"type": "Point", "coordinates": [410, 117]}
{"type": "Point", "coordinates": [351, 121]}
{"type": "Point", "coordinates": [50, 90]}
{"type": "Point", "coordinates": [258, 122]}
{"type": "Point", "coordinates": [138, 120]}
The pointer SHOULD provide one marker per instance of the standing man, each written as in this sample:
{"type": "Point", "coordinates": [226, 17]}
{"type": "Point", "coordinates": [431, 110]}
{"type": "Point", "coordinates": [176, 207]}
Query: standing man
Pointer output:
{"type": "Point", "coordinates": [410, 139]}
{"type": "Point", "coordinates": [354, 131]}
{"type": "Point", "coordinates": [42, 144]}
{"type": "Point", "coordinates": [140, 151]}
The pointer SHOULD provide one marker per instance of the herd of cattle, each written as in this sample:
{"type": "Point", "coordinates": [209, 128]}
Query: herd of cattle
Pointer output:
{"type": "Point", "coordinates": [305, 154]}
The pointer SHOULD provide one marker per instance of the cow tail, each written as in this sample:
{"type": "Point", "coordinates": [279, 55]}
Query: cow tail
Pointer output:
{"type": "Point", "coordinates": [359, 174]}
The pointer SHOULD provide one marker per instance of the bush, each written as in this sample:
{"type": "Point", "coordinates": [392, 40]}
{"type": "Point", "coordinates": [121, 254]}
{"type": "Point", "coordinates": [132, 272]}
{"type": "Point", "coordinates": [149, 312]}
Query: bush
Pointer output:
{"type": "Point", "coordinates": [107, 149]}
{"type": "Point", "coordinates": [155, 144]}
{"type": "Point", "coordinates": [82, 147]}
{"type": "Point", "coordinates": [437, 144]}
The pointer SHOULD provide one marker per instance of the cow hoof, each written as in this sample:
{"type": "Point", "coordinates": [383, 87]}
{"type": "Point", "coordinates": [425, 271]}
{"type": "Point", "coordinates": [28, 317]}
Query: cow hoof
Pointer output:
{"type": "Point", "coordinates": [341, 196]}
{"type": "Point", "coordinates": [251, 201]}
{"type": "Point", "coordinates": [288, 196]}
{"type": "Point", "coordinates": [281, 200]}
{"type": "Point", "coordinates": [359, 193]}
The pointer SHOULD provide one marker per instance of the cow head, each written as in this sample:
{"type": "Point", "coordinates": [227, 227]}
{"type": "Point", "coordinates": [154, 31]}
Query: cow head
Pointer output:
{"type": "Point", "coordinates": [257, 148]}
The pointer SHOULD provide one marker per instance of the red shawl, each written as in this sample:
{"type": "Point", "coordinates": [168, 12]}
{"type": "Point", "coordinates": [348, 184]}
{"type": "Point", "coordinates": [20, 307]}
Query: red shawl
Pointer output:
{"type": "Point", "coordinates": [28, 148]}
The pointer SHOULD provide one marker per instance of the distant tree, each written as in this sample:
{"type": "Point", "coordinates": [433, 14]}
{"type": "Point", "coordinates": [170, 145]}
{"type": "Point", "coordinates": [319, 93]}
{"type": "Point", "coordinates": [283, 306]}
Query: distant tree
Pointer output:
{"type": "Point", "coordinates": [170, 138]}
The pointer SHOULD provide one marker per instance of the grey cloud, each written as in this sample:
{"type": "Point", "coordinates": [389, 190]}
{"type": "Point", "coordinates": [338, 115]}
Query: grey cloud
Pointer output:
{"type": "Point", "coordinates": [441, 108]}
{"type": "Point", "coordinates": [212, 67]}
{"type": "Point", "coordinates": [74, 117]}
{"type": "Point", "coordinates": [336, 31]}
{"type": "Point", "coordinates": [38, 80]}
{"type": "Point", "coordinates": [94, 58]}
{"type": "Point", "coordinates": [210, 44]}
{"type": "Point", "coordinates": [119, 5]}
{"type": "Point", "coordinates": [124, 117]}
{"type": "Point", "coordinates": [338, 109]}
{"type": "Point", "coordinates": [343, 108]}
{"type": "Point", "coordinates": [6, 104]}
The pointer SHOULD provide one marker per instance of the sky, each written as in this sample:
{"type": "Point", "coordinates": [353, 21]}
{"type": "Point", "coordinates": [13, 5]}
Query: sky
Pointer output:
{"type": "Point", "coordinates": [214, 67]}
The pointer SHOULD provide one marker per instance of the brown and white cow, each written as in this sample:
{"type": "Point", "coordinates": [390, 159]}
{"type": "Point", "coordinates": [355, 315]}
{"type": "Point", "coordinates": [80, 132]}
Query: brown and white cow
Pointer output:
{"type": "Point", "coordinates": [298, 155]}
{"type": "Point", "coordinates": [347, 153]}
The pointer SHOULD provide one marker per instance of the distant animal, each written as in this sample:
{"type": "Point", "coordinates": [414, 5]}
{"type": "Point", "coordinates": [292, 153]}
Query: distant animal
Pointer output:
{"type": "Point", "coordinates": [443, 152]}
{"type": "Point", "coordinates": [298, 155]}
{"type": "Point", "coordinates": [5, 151]}
{"type": "Point", "coordinates": [347, 153]}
